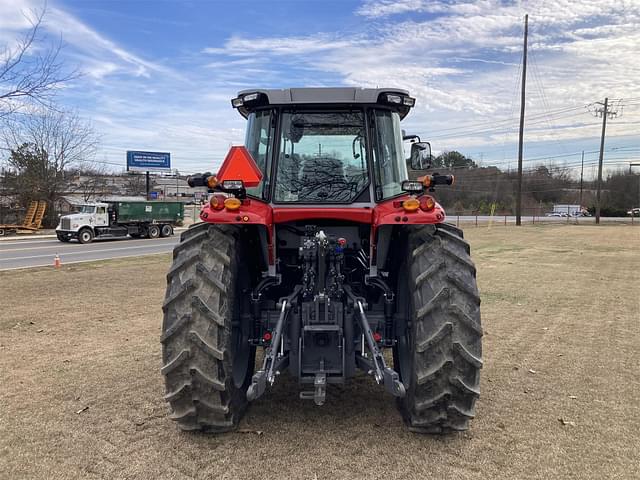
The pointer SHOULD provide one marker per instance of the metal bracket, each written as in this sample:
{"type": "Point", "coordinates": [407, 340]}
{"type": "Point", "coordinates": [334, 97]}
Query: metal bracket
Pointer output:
{"type": "Point", "coordinates": [319, 394]}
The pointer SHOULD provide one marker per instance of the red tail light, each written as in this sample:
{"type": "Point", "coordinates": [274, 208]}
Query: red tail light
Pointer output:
{"type": "Point", "coordinates": [427, 203]}
{"type": "Point", "coordinates": [217, 202]}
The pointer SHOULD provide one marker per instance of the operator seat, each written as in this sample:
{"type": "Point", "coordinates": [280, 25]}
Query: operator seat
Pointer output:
{"type": "Point", "coordinates": [323, 179]}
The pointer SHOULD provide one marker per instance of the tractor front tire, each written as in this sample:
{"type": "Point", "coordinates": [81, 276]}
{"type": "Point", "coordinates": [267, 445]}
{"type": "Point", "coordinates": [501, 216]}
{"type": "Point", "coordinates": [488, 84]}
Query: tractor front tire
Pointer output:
{"type": "Point", "coordinates": [440, 347]}
{"type": "Point", "coordinates": [207, 365]}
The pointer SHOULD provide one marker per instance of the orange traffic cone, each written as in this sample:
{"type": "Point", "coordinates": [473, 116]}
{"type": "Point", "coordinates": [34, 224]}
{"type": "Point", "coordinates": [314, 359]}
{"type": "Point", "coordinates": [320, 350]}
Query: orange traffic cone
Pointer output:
{"type": "Point", "coordinates": [56, 261]}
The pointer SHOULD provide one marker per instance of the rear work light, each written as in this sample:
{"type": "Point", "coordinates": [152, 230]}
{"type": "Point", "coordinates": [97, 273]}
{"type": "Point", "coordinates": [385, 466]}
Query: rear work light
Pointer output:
{"type": "Point", "coordinates": [394, 98]}
{"type": "Point", "coordinates": [244, 99]}
{"type": "Point", "coordinates": [412, 186]}
{"type": "Point", "coordinates": [399, 99]}
{"type": "Point", "coordinates": [250, 97]}
{"type": "Point", "coordinates": [232, 184]}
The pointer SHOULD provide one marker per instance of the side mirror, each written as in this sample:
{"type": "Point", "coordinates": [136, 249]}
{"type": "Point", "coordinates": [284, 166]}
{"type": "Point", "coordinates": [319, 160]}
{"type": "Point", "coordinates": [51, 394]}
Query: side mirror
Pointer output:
{"type": "Point", "coordinates": [420, 158]}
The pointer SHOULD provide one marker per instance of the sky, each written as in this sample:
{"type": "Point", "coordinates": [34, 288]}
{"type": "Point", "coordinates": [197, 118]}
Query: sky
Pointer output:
{"type": "Point", "coordinates": [159, 75]}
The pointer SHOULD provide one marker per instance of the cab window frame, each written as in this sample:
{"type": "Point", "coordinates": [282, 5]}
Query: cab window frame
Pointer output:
{"type": "Point", "coordinates": [267, 172]}
{"type": "Point", "coordinates": [311, 109]}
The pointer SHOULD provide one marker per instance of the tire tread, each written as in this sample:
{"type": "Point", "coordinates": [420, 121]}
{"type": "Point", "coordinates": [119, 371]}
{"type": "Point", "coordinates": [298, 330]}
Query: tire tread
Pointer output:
{"type": "Point", "coordinates": [447, 345]}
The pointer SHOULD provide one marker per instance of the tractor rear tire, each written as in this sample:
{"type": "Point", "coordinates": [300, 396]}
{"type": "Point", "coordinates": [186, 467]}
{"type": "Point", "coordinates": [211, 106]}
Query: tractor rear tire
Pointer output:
{"type": "Point", "coordinates": [442, 344]}
{"type": "Point", "coordinates": [207, 364]}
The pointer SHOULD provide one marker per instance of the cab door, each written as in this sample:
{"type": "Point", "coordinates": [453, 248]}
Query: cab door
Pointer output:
{"type": "Point", "coordinates": [102, 220]}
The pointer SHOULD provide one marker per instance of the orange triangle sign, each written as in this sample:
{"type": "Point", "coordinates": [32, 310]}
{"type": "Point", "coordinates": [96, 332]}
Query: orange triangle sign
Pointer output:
{"type": "Point", "coordinates": [239, 165]}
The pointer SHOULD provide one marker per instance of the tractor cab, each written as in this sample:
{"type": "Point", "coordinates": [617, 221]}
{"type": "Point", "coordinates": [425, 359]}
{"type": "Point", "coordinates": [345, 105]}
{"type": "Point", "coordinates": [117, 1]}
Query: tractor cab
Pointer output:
{"type": "Point", "coordinates": [327, 146]}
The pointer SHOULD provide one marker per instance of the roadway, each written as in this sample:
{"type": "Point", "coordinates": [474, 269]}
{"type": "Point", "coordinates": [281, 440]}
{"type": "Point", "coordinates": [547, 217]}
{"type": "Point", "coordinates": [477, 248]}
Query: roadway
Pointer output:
{"type": "Point", "coordinates": [23, 253]}
{"type": "Point", "coordinates": [34, 252]}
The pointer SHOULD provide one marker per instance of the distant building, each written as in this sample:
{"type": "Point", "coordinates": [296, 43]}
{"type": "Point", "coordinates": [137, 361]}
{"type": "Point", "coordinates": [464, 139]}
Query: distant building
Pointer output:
{"type": "Point", "coordinates": [569, 209]}
{"type": "Point", "coordinates": [168, 187]}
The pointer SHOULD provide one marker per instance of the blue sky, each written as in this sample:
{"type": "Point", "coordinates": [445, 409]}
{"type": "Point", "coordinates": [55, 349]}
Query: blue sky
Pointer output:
{"type": "Point", "coordinates": [158, 75]}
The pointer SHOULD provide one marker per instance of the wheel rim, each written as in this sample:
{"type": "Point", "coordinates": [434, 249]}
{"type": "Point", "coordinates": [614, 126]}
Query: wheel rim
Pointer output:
{"type": "Point", "coordinates": [240, 347]}
{"type": "Point", "coordinates": [404, 353]}
{"type": "Point", "coordinates": [85, 236]}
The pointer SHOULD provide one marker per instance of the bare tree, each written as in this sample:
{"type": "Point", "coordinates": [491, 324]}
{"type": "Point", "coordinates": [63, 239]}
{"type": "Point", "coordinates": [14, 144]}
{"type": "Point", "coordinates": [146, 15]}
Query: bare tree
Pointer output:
{"type": "Point", "coordinates": [30, 72]}
{"type": "Point", "coordinates": [91, 181]}
{"type": "Point", "coordinates": [135, 184]}
{"type": "Point", "coordinates": [43, 148]}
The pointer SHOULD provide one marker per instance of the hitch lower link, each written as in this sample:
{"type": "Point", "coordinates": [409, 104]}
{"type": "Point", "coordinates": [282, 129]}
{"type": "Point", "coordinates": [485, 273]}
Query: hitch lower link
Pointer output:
{"type": "Point", "coordinates": [274, 358]}
{"type": "Point", "coordinates": [381, 372]}
{"type": "Point", "coordinates": [377, 365]}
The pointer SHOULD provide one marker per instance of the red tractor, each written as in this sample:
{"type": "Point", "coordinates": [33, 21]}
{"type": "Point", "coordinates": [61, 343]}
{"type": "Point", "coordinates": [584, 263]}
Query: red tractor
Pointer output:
{"type": "Point", "coordinates": [316, 248]}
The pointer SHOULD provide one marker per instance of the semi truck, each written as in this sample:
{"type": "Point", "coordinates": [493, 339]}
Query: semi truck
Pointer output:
{"type": "Point", "coordinates": [116, 219]}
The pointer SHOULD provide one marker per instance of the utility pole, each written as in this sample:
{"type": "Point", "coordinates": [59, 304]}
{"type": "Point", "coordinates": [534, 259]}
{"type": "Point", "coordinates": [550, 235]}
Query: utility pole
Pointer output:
{"type": "Point", "coordinates": [605, 112]}
{"type": "Point", "coordinates": [520, 138]}
{"type": "Point", "coordinates": [581, 177]}
{"type": "Point", "coordinates": [630, 166]}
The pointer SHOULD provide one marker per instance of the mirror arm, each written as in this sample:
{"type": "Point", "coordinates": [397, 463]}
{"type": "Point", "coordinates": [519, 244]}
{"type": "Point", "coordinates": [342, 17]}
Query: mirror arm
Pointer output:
{"type": "Point", "coordinates": [411, 138]}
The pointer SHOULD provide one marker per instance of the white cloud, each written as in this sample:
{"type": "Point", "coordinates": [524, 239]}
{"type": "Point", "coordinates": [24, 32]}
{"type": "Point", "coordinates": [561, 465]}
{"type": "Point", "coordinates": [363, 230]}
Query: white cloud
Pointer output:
{"type": "Point", "coordinates": [238, 46]}
{"type": "Point", "coordinates": [461, 60]}
{"type": "Point", "coordinates": [101, 55]}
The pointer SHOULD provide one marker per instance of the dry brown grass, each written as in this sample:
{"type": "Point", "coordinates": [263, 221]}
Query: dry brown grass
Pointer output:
{"type": "Point", "coordinates": [561, 301]}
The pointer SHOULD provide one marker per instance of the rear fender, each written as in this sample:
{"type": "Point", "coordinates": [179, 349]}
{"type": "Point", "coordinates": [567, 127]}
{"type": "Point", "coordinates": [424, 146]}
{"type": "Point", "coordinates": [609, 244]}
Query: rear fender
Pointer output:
{"type": "Point", "coordinates": [389, 217]}
{"type": "Point", "coordinates": [251, 213]}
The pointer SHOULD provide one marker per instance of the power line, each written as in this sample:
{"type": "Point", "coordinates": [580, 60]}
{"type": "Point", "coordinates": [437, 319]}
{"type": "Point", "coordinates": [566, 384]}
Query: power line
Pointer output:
{"type": "Point", "coordinates": [509, 121]}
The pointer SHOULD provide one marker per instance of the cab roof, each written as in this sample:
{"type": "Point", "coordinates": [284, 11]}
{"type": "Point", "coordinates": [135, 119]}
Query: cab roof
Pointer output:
{"type": "Point", "coordinates": [322, 96]}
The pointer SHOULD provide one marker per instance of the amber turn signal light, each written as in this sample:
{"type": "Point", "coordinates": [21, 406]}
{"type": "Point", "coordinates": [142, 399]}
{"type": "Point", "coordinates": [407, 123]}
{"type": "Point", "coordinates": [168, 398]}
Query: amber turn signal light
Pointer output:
{"type": "Point", "coordinates": [426, 181]}
{"type": "Point", "coordinates": [212, 181]}
{"type": "Point", "coordinates": [411, 205]}
{"type": "Point", "coordinates": [232, 203]}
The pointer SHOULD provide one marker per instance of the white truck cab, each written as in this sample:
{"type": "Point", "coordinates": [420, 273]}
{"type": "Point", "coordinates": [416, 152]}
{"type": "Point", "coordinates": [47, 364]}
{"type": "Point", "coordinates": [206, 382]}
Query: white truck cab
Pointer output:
{"type": "Point", "coordinates": [82, 222]}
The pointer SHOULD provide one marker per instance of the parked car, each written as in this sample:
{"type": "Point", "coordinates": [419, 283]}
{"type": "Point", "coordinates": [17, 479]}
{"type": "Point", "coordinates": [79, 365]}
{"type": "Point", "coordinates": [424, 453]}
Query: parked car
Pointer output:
{"type": "Point", "coordinates": [634, 212]}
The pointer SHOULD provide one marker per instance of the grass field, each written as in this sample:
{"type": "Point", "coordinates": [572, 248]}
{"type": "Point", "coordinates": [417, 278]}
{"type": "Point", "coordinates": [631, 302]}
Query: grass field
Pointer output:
{"type": "Point", "coordinates": [81, 392]}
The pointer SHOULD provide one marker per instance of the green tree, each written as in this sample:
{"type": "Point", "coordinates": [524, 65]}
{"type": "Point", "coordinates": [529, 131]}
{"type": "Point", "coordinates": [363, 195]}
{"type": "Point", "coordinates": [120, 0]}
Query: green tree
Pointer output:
{"type": "Point", "coordinates": [31, 174]}
{"type": "Point", "coordinates": [453, 159]}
